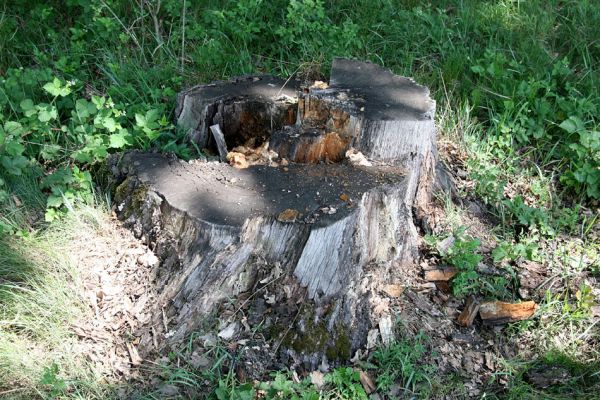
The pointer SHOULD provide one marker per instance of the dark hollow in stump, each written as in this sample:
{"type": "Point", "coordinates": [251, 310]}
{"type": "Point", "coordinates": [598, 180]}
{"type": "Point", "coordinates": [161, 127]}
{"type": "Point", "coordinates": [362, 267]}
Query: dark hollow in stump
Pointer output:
{"type": "Point", "coordinates": [305, 250]}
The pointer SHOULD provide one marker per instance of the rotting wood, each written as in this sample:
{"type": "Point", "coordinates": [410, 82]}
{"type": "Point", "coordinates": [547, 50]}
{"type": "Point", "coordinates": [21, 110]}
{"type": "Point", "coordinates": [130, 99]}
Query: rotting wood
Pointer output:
{"type": "Point", "coordinates": [216, 228]}
{"type": "Point", "coordinates": [467, 316]}
{"type": "Point", "coordinates": [499, 312]}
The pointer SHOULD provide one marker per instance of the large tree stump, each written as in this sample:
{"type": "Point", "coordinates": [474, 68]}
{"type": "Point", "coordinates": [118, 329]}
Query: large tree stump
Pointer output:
{"type": "Point", "coordinates": [310, 250]}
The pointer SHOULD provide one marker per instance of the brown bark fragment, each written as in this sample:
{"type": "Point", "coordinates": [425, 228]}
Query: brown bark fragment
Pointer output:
{"type": "Point", "coordinates": [498, 312]}
{"type": "Point", "coordinates": [467, 316]}
{"type": "Point", "coordinates": [442, 274]}
{"type": "Point", "coordinates": [367, 382]}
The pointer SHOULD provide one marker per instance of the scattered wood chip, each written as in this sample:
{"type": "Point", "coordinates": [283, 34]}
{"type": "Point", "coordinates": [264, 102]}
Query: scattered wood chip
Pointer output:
{"type": "Point", "coordinates": [367, 382]}
{"type": "Point", "coordinates": [319, 85]}
{"type": "Point", "coordinates": [133, 354]}
{"type": "Point", "coordinates": [17, 201]}
{"type": "Point", "coordinates": [357, 158]}
{"type": "Point", "coordinates": [318, 379]}
{"type": "Point", "coordinates": [372, 338]}
{"type": "Point", "coordinates": [393, 290]}
{"type": "Point", "coordinates": [344, 197]}
{"type": "Point", "coordinates": [289, 215]}
{"type": "Point", "coordinates": [237, 160]}
{"type": "Point", "coordinates": [498, 312]}
{"type": "Point", "coordinates": [229, 331]}
{"type": "Point", "coordinates": [467, 316]}
{"type": "Point", "coordinates": [440, 274]}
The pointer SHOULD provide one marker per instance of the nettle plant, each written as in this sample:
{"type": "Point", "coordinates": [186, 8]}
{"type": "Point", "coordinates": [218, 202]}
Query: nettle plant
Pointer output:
{"type": "Point", "coordinates": [65, 133]}
{"type": "Point", "coordinates": [465, 256]}
{"type": "Point", "coordinates": [544, 111]}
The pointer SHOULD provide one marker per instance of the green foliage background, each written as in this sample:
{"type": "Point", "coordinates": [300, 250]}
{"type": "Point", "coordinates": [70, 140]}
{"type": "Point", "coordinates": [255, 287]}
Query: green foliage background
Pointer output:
{"type": "Point", "coordinates": [83, 78]}
{"type": "Point", "coordinates": [516, 83]}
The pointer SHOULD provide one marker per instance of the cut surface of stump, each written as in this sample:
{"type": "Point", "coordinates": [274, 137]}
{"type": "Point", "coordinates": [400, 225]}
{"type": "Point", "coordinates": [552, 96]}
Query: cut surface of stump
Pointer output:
{"type": "Point", "coordinates": [305, 239]}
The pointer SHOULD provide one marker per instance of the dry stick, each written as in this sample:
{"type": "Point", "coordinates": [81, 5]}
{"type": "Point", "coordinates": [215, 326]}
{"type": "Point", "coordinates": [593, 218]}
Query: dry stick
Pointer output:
{"type": "Point", "coordinates": [154, 14]}
{"type": "Point", "coordinates": [12, 391]}
{"type": "Point", "coordinates": [182, 36]}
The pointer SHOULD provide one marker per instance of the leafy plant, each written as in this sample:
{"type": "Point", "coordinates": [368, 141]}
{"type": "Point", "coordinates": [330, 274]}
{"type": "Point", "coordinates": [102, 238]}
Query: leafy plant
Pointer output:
{"type": "Point", "coordinates": [346, 383]}
{"type": "Point", "coordinates": [54, 384]}
{"type": "Point", "coordinates": [402, 362]}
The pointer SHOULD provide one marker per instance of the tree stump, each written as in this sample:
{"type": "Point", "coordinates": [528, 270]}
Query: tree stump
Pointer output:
{"type": "Point", "coordinates": [304, 242]}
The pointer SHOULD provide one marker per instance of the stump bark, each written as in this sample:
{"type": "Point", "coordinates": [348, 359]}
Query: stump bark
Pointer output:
{"type": "Point", "coordinates": [304, 243]}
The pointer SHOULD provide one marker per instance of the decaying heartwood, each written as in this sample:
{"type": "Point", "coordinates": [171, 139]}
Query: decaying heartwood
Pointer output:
{"type": "Point", "coordinates": [310, 227]}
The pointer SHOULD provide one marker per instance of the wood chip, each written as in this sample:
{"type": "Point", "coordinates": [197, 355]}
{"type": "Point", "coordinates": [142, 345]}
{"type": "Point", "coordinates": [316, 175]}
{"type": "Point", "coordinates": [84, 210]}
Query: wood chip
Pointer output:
{"type": "Point", "coordinates": [393, 290]}
{"type": "Point", "coordinates": [498, 312]}
{"type": "Point", "coordinates": [318, 379]}
{"type": "Point", "coordinates": [237, 160]}
{"type": "Point", "coordinates": [367, 382]}
{"type": "Point", "coordinates": [344, 197]}
{"type": "Point", "coordinates": [441, 274]}
{"type": "Point", "coordinates": [289, 215]}
{"type": "Point", "coordinates": [133, 354]}
{"type": "Point", "coordinates": [467, 316]}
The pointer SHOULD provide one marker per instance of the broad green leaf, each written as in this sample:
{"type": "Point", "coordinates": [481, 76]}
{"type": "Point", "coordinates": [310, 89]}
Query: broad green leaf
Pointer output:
{"type": "Point", "coordinates": [110, 124]}
{"type": "Point", "coordinates": [118, 140]}
{"type": "Point", "coordinates": [56, 88]}
{"type": "Point", "coordinates": [51, 215]}
{"type": "Point", "coordinates": [14, 165]}
{"type": "Point", "coordinates": [84, 108]}
{"type": "Point", "coordinates": [82, 156]}
{"type": "Point", "coordinates": [14, 148]}
{"type": "Point", "coordinates": [590, 139]}
{"type": "Point", "coordinates": [27, 105]}
{"type": "Point", "coordinates": [54, 201]}
{"type": "Point", "coordinates": [46, 114]}
{"type": "Point", "coordinates": [572, 124]}
{"type": "Point", "coordinates": [140, 120]}
{"type": "Point", "coordinates": [13, 128]}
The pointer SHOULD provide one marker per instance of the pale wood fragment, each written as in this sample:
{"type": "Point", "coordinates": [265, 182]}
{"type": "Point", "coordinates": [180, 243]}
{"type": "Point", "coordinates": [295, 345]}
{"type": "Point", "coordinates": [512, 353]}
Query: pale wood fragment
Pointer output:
{"type": "Point", "coordinates": [441, 274]}
{"type": "Point", "coordinates": [367, 382]}
{"type": "Point", "coordinates": [220, 141]}
{"type": "Point", "coordinates": [499, 312]}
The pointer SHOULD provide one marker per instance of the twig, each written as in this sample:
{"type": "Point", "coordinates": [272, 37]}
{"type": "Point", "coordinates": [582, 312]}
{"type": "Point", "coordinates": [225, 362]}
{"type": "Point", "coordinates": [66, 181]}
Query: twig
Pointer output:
{"type": "Point", "coordinates": [183, 36]}
{"type": "Point", "coordinates": [11, 391]}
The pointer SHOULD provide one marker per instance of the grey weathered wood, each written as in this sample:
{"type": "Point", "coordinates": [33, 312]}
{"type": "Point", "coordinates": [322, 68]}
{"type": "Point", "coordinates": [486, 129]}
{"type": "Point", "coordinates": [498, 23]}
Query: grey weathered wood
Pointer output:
{"type": "Point", "coordinates": [325, 270]}
{"type": "Point", "coordinates": [220, 141]}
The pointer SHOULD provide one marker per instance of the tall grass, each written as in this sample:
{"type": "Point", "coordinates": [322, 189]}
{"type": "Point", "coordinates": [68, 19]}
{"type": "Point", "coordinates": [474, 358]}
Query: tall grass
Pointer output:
{"type": "Point", "coordinates": [40, 297]}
